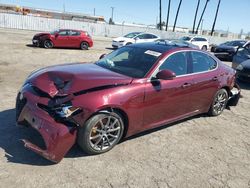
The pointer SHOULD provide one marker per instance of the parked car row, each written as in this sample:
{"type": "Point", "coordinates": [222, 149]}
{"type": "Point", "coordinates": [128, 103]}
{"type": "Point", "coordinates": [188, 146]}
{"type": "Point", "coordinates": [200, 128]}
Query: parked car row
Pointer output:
{"type": "Point", "coordinates": [141, 37]}
{"type": "Point", "coordinates": [237, 51]}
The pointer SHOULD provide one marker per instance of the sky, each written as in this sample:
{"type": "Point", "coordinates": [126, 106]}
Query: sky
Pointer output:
{"type": "Point", "coordinates": [233, 14]}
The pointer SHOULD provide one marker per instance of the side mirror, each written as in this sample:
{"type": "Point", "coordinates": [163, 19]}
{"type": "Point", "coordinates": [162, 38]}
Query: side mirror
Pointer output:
{"type": "Point", "coordinates": [136, 38]}
{"type": "Point", "coordinates": [165, 75]}
{"type": "Point", "coordinates": [56, 35]}
{"type": "Point", "coordinates": [102, 56]}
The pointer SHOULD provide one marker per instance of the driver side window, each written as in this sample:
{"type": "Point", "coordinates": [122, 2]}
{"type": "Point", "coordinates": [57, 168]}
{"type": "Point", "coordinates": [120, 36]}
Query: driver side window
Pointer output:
{"type": "Point", "coordinates": [176, 63]}
{"type": "Point", "coordinates": [63, 33]}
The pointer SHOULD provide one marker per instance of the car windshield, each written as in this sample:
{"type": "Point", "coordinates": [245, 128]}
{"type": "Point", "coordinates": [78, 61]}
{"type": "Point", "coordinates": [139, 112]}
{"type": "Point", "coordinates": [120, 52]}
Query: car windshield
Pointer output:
{"type": "Point", "coordinates": [130, 61]}
{"type": "Point", "coordinates": [131, 35]}
{"type": "Point", "coordinates": [235, 43]}
{"type": "Point", "coordinates": [185, 38]}
{"type": "Point", "coordinates": [54, 32]}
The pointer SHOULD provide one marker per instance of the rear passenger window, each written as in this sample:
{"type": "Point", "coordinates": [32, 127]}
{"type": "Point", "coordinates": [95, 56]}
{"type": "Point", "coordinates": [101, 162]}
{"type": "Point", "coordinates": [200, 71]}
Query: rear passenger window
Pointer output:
{"type": "Point", "coordinates": [199, 39]}
{"type": "Point", "coordinates": [75, 33]}
{"type": "Point", "coordinates": [202, 62]}
{"type": "Point", "coordinates": [176, 63]}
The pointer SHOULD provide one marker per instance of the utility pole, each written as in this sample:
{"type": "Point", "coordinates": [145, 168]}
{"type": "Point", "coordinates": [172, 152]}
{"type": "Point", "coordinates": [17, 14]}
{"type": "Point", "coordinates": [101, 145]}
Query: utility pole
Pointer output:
{"type": "Point", "coordinates": [94, 11]}
{"type": "Point", "coordinates": [64, 7]}
{"type": "Point", "coordinates": [201, 16]}
{"type": "Point", "coordinates": [169, 3]}
{"type": "Point", "coordinates": [160, 16]}
{"type": "Point", "coordinates": [112, 14]}
{"type": "Point", "coordinates": [202, 25]}
{"type": "Point", "coordinates": [195, 16]}
{"type": "Point", "coordinates": [177, 13]}
{"type": "Point", "coordinates": [218, 6]}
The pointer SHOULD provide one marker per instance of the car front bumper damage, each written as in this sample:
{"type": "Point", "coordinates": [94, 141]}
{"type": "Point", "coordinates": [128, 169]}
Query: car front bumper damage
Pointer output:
{"type": "Point", "coordinates": [58, 137]}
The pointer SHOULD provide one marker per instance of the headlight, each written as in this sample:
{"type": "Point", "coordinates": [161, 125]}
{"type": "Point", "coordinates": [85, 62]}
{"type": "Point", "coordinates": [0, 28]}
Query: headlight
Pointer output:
{"type": "Point", "coordinates": [67, 111]}
{"type": "Point", "coordinates": [121, 41]}
{"type": "Point", "coordinates": [239, 67]}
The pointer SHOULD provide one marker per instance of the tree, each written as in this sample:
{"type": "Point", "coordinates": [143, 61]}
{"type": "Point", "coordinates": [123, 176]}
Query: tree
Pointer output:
{"type": "Point", "coordinates": [111, 22]}
{"type": "Point", "coordinates": [177, 14]}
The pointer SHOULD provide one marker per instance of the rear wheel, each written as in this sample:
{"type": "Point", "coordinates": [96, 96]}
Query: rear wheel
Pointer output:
{"type": "Point", "coordinates": [100, 133]}
{"type": "Point", "coordinates": [204, 48]}
{"type": "Point", "coordinates": [84, 46]}
{"type": "Point", "coordinates": [219, 103]}
{"type": "Point", "coordinates": [48, 44]}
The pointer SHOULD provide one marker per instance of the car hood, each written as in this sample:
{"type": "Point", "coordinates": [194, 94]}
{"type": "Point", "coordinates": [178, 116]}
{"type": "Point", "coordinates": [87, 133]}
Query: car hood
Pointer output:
{"type": "Point", "coordinates": [246, 64]}
{"type": "Point", "coordinates": [41, 34]}
{"type": "Point", "coordinates": [225, 47]}
{"type": "Point", "coordinates": [75, 78]}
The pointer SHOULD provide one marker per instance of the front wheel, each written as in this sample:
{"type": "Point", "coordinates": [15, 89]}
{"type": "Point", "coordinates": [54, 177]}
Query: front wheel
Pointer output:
{"type": "Point", "coordinates": [219, 103]}
{"type": "Point", "coordinates": [48, 44]}
{"type": "Point", "coordinates": [100, 133]}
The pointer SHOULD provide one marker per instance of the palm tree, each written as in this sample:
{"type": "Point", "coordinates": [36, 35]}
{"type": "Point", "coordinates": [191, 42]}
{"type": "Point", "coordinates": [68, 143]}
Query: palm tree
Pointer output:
{"type": "Point", "coordinates": [169, 2]}
{"type": "Point", "coordinates": [160, 16]}
{"type": "Point", "coordinates": [177, 13]}
{"type": "Point", "coordinates": [218, 6]}
{"type": "Point", "coordinates": [197, 8]}
{"type": "Point", "coordinates": [202, 16]}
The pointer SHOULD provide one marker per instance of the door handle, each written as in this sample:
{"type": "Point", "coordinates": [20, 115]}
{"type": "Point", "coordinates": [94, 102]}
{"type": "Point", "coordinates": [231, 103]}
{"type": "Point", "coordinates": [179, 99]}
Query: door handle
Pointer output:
{"type": "Point", "coordinates": [186, 85]}
{"type": "Point", "coordinates": [215, 78]}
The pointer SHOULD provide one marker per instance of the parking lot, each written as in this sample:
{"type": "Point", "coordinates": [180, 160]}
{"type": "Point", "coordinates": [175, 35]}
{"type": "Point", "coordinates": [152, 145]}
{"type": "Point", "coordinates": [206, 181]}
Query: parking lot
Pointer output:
{"type": "Point", "coordinates": [198, 152]}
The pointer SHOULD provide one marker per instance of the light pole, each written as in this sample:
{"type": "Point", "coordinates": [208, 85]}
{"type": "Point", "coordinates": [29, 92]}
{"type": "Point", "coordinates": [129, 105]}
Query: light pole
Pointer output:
{"type": "Point", "coordinates": [201, 25]}
{"type": "Point", "coordinates": [112, 13]}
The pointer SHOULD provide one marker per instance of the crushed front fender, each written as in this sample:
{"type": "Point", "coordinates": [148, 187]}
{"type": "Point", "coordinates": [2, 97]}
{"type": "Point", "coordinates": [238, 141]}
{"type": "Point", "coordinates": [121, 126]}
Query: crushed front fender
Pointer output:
{"type": "Point", "coordinates": [58, 138]}
{"type": "Point", "coordinates": [234, 95]}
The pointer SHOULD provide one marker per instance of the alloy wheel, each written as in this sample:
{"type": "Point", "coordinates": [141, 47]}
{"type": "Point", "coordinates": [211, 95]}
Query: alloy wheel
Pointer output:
{"type": "Point", "coordinates": [105, 133]}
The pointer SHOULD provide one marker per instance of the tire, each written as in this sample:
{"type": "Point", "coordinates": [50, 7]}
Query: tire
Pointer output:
{"type": "Point", "coordinates": [84, 46]}
{"type": "Point", "coordinates": [204, 48]}
{"type": "Point", "coordinates": [48, 44]}
{"type": "Point", "coordinates": [219, 103]}
{"type": "Point", "coordinates": [100, 133]}
{"type": "Point", "coordinates": [128, 43]}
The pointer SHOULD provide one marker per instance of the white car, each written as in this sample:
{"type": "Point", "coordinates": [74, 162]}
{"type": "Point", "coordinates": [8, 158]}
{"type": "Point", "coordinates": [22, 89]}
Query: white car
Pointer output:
{"type": "Point", "coordinates": [135, 37]}
{"type": "Point", "coordinates": [198, 41]}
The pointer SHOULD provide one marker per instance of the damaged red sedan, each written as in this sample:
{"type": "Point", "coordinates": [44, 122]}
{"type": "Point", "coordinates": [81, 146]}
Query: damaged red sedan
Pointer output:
{"type": "Point", "coordinates": [132, 89]}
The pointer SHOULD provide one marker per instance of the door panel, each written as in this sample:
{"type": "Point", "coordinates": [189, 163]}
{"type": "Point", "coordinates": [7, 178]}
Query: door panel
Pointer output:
{"type": "Point", "coordinates": [205, 81]}
{"type": "Point", "coordinates": [62, 39]}
{"type": "Point", "coordinates": [74, 39]}
{"type": "Point", "coordinates": [166, 100]}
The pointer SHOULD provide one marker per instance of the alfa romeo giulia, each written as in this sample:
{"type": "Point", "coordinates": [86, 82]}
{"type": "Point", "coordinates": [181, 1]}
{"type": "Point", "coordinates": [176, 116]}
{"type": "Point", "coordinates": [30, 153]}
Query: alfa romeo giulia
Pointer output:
{"type": "Point", "coordinates": [132, 89]}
